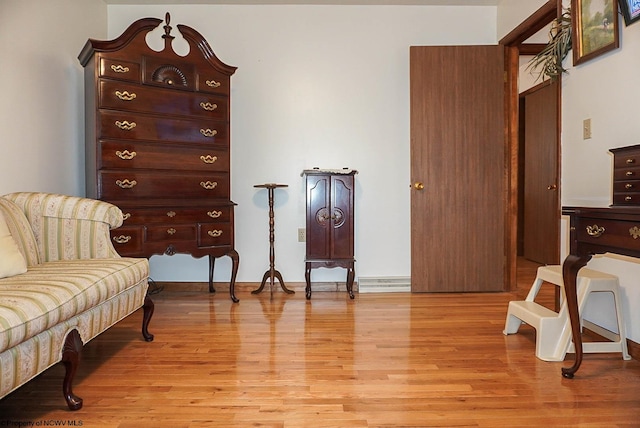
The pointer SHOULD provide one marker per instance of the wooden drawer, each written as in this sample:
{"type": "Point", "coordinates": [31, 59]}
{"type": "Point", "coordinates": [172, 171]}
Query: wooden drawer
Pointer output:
{"type": "Point", "coordinates": [116, 95]}
{"type": "Point", "coordinates": [118, 69]}
{"type": "Point", "coordinates": [171, 233]}
{"type": "Point", "coordinates": [214, 234]}
{"type": "Point", "coordinates": [210, 81]}
{"type": "Point", "coordinates": [172, 74]}
{"type": "Point", "coordinates": [626, 186]}
{"type": "Point", "coordinates": [140, 184]}
{"type": "Point", "coordinates": [609, 233]}
{"type": "Point", "coordinates": [121, 154]}
{"type": "Point", "coordinates": [176, 215]}
{"type": "Point", "coordinates": [127, 239]}
{"type": "Point", "coordinates": [626, 157]}
{"type": "Point", "coordinates": [132, 126]}
{"type": "Point", "coordinates": [627, 173]}
{"type": "Point", "coordinates": [620, 198]}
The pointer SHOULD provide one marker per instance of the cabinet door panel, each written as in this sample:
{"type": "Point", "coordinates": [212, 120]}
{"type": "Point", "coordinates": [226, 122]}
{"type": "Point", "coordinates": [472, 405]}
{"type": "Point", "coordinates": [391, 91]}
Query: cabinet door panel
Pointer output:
{"type": "Point", "coordinates": [319, 217]}
{"type": "Point", "coordinates": [342, 216]}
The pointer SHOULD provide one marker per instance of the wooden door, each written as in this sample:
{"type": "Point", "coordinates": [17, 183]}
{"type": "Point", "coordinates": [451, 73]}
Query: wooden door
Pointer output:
{"type": "Point", "coordinates": [458, 169]}
{"type": "Point", "coordinates": [541, 196]}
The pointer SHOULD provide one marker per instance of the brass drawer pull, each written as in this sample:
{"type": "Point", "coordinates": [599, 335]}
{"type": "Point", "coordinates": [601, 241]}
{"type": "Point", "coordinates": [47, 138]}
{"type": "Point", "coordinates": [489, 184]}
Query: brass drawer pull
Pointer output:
{"type": "Point", "coordinates": [215, 233]}
{"type": "Point", "coordinates": [125, 125]}
{"type": "Point", "coordinates": [126, 183]}
{"type": "Point", "coordinates": [171, 214]}
{"type": "Point", "coordinates": [120, 69]}
{"type": "Point", "coordinates": [628, 173]}
{"type": "Point", "coordinates": [208, 132]}
{"type": "Point", "coordinates": [628, 186]}
{"type": "Point", "coordinates": [208, 106]}
{"type": "Point", "coordinates": [635, 232]}
{"type": "Point", "coordinates": [595, 230]}
{"type": "Point", "coordinates": [209, 185]}
{"type": "Point", "coordinates": [171, 231]}
{"type": "Point", "coordinates": [122, 239]}
{"type": "Point", "coordinates": [126, 96]}
{"type": "Point", "coordinates": [628, 198]}
{"type": "Point", "coordinates": [630, 160]}
{"type": "Point", "coordinates": [214, 214]}
{"type": "Point", "coordinates": [213, 83]}
{"type": "Point", "coordinates": [126, 155]}
{"type": "Point", "coordinates": [126, 216]}
{"type": "Point", "coordinates": [208, 158]}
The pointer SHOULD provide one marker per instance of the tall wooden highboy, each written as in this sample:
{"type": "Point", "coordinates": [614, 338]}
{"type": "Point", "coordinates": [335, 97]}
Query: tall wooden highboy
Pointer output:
{"type": "Point", "coordinates": [158, 143]}
{"type": "Point", "coordinates": [330, 222]}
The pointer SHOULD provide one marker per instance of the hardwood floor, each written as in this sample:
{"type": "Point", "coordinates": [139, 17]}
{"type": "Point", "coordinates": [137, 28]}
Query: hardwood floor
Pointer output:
{"type": "Point", "coordinates": [380, 360]}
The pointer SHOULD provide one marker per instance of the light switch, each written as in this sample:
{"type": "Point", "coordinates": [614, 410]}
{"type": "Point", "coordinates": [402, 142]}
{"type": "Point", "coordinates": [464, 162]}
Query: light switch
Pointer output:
{"type": "Point", "coordinates": [586, 129]}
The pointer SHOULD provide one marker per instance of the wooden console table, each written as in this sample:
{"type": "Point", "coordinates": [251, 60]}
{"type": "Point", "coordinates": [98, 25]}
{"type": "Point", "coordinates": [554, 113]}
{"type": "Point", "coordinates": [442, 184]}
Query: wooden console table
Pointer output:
{"type": "Point", "coordinates": [595, 231]}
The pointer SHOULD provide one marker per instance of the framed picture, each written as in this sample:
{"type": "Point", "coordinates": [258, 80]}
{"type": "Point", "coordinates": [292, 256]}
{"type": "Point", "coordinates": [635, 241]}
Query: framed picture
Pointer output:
{"type": "Point", "coordinates": [630, 10]}
{"type": "Point", "coordinates": [595, 28]}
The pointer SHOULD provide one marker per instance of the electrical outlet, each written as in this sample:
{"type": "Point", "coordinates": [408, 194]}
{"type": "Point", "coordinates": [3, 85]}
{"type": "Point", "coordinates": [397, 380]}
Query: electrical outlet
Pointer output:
{"type": "Point", "coordinates": [302, 235]}
{"type": "Point", "coordinates": [586, 129]}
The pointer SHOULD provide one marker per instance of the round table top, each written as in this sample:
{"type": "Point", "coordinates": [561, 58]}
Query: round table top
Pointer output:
{"type": "Point", "coordinates": [270, 185]}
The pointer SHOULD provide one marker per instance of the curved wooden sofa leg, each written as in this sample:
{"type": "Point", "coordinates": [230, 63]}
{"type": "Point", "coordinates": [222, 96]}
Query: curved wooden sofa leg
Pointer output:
{"type": "Point", "coordinates": [70, 359]}
{"type": "Point", "coordinates": [148, 312]}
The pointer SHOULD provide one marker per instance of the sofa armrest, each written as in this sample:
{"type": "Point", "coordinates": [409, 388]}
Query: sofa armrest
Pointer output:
{"type": "Point", "coordinates": [69, 227]}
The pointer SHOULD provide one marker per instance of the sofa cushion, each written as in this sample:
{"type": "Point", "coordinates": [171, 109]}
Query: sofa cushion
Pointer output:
{"type": "Point", "coordinates": [53, 292]}
{"type": "Point", "coordinates": [20, 230]}
{"type": "Point", "coordinates": [12, 261]}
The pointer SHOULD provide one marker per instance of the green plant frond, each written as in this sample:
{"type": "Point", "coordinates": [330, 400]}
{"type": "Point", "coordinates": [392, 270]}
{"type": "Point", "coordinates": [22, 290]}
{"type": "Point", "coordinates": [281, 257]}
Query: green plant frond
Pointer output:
{"type": "Point", "coordinates": [548, 62]}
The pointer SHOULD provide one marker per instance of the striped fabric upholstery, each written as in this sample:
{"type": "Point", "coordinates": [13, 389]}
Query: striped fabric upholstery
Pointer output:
{"type": "Point", "coordinates": [53, 292]}
{"type": "Point", "coordinates": [20, 231]}
{"type": "Point", "coordinates": [69, 227]}
{"type": "Point", "coordinates": [75, 280]}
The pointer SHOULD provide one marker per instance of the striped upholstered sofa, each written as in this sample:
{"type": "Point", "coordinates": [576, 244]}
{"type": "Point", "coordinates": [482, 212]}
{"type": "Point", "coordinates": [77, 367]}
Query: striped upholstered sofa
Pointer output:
{"type": "Point", "coordinates": [71, 287]}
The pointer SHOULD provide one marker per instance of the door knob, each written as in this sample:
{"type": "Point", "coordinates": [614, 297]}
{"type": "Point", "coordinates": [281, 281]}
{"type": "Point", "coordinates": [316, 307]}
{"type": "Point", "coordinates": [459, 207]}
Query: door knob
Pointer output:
{"type": "Point", "coordinates": [418, 186]}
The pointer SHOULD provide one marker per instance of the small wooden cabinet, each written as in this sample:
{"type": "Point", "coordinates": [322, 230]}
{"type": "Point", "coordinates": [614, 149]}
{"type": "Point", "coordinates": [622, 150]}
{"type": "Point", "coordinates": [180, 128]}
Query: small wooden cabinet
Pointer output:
{"type": "Point", "coordinates": [158, 143]}
{"type": "Point", "coordinates": [626, 175]}
{"type": "Point", "coordinates": [330, 222]}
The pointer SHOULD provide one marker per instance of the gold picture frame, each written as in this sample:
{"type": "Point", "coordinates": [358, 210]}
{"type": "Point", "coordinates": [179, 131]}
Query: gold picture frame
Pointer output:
{"type": "Point", "coordinates": [595, 28]}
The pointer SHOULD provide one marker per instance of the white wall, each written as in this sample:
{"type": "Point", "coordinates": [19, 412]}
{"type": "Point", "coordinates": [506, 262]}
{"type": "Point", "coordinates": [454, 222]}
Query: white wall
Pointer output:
{"type": "Point", "coordinates": [41, 118]}
{"type": "Point", "coordinates": [324, 86]}
{"type": "Point", "coordinates": [607, 91]}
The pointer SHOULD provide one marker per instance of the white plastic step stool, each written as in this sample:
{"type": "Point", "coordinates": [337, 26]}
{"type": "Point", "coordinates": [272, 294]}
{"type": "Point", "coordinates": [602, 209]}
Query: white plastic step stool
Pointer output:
{"type": "Point", "coordinates": [553, 329]}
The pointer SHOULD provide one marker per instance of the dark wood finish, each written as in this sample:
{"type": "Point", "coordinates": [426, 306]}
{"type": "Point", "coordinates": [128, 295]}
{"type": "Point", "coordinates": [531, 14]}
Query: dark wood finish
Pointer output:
{"type": "Point", "coordinates": [148, 309]}
{"type": "Point", "coordinates": [595, 231]}
{"type": "Point", "coordinates": [541, 206]}
{"type": "Point", "coordinates": [158, 143]}
{"type": "Point", "coordinates": [330, 222]}
{"type": "Point", "coordinates": [626, 176]}
{"type": "Point", "coordinates": [458, 168]}
{"type": "Point", "coordinates": [272, 272]}
{"type": "Point", "coordinates": [70, 359]}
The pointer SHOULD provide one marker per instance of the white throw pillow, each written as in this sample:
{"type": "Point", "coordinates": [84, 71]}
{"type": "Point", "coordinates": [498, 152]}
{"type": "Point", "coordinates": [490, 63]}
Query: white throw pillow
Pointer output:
{"type": "Point", "coordinates": [12, 261]}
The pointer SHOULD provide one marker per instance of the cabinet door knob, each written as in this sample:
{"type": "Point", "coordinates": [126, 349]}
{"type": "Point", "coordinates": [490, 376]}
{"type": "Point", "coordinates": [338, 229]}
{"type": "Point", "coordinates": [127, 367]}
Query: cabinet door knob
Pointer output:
{"type": "Point", "coordinates": [418, 185]}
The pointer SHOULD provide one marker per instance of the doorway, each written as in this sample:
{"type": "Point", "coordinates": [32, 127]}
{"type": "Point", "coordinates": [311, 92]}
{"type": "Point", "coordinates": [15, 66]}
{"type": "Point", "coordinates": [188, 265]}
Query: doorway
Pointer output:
{"type": "Point", "coordinates": [516, 44]}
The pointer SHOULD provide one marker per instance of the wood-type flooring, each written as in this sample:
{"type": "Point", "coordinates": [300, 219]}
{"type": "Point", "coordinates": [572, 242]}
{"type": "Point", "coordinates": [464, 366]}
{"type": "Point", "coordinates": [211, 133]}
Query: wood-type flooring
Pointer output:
{"type": "Point", "coordinates": [380, 360]}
